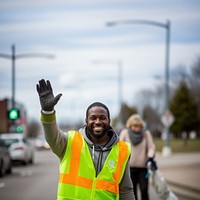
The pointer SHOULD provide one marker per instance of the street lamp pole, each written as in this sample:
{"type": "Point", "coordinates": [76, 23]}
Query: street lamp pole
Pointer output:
{"type": "Point", "coordinates": [166, 148]}
{"type": "Point", "coordinates": [120, 93]}
{"type": "Point", "coordinates": [13, 57]}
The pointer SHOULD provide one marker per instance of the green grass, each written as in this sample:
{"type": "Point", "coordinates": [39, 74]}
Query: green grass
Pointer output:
{"type": "Point", "coordinates": [179, 145]}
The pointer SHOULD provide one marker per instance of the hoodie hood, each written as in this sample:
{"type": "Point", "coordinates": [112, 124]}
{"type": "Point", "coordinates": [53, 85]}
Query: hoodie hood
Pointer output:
{"type": "Point", "coordinates": [99, 153]}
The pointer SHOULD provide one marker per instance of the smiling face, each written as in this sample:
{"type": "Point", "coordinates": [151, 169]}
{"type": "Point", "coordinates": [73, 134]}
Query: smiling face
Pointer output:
{"type": "Point", "coordinates": [98, 123]}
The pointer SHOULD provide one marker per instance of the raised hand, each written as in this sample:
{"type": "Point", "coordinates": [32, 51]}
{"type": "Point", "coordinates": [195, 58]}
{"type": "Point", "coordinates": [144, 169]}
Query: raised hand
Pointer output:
{"type": "Point", "coordinates": [45, 92]}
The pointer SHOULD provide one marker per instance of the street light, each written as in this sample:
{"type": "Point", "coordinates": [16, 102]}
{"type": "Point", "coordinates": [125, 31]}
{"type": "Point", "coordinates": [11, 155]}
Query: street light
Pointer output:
{"type": "Point", "coordinates": [166, 148]}
{"type": "Point", "coordinates": [13, 57]}
{"type": "Point", "coordinates": [119, 85]}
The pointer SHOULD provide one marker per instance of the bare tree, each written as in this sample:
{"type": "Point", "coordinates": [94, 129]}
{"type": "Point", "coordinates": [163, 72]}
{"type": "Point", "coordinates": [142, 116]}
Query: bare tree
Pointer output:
{"type": "Point", "coordinates": [152, 119]}
{"type": "Point", "coordinates": [195, 84]}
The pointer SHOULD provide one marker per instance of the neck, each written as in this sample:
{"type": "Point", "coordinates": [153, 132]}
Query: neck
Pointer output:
{"type": "Point", "coordinates": [100, 141]}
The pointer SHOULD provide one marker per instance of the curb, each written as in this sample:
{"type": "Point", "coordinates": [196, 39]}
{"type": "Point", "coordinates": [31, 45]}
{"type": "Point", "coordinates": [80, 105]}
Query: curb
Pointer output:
{"type": "Point", "coordinates": [185, 191]}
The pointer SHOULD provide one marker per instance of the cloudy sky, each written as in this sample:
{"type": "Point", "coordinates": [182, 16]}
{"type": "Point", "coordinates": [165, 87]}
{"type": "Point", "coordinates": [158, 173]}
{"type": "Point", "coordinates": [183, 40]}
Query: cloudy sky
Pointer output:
{"type": "Point", "coordinates": [90, 57]}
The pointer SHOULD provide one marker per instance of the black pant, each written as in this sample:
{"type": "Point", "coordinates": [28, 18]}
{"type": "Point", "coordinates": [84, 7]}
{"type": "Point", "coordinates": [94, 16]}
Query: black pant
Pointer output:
{"type": "Point", "coordinates": [138, 178]}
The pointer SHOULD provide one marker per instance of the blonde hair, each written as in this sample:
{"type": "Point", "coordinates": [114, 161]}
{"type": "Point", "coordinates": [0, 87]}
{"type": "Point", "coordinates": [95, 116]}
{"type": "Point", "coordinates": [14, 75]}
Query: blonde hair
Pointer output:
{"type": "Point", "coordinates": [135, 120]}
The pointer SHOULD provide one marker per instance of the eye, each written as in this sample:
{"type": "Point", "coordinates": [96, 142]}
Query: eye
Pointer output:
{"type": "Point", "coordinates": [92, 118]}
{"type": "Point", "coordinates": [103, 117]}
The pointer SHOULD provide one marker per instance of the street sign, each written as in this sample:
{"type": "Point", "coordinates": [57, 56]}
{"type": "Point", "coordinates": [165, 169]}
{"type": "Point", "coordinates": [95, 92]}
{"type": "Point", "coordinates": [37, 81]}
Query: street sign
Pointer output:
{"type": "Point", "coordinates": [167, 119]}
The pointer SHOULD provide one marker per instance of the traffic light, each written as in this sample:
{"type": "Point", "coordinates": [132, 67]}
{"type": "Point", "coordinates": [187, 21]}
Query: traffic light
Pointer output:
{"type": "Point", "coordinates": [19, 129]}
{"type": "Point", "coordinates": [13, 114]}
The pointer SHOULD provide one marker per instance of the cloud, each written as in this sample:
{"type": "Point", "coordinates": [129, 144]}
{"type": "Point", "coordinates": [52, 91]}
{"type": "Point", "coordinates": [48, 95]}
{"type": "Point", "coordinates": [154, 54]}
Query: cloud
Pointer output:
{"type": "Point", "coordinates": [75, 33]}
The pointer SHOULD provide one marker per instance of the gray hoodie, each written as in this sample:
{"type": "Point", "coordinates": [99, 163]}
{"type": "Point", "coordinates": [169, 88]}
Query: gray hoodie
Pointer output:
{"type": "Point", "coordinates": [57, 140]}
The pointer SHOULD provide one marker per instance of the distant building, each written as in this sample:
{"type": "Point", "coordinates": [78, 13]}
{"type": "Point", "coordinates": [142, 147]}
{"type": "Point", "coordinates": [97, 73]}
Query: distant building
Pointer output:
{"type": "Point", "coordinates": [7, 125]}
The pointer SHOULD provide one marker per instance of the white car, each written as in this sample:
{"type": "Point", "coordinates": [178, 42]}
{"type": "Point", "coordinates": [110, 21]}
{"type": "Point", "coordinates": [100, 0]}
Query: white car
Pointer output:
{"type": "Point", "coordinates": [19, 146]}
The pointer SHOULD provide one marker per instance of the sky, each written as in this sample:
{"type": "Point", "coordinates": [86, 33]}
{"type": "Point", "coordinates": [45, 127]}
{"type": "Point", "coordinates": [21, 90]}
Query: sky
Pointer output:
{"type": "Point", "coordinates": [90, 57]}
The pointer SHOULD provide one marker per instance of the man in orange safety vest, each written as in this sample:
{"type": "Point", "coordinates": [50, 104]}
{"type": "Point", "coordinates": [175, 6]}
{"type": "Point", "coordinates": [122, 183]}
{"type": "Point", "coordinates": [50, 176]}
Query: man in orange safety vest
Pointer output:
{"type": "Point", "coordinates": [93, 161]}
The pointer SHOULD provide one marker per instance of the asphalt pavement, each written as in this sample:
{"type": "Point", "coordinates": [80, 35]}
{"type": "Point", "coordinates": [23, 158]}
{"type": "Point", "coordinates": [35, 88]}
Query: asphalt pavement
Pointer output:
{"type": "Point", "coordinates": [182, 173]}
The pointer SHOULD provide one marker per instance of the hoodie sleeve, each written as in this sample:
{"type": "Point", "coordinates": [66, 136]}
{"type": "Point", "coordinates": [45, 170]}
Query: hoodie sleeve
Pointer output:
{"type": "Point", "coordinates": [126, 186]}
{"type": "Point", "coordinates": [56, 138]}
{"type": "Point", "coordinates": [150, 144]}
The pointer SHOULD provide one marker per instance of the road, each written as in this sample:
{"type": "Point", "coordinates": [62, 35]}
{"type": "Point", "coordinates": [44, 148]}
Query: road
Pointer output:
{"type": "Point", "coordinates": [37, 181]}
{"type": "Point", "coordinates": [32, 182]}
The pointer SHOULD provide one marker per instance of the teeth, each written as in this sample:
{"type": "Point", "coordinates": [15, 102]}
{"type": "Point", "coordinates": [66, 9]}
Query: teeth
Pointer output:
{"type": "Point", "coordinates": [97, 128]}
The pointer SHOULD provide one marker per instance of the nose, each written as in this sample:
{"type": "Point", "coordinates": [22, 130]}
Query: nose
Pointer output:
{"type": "Point", "coordinates": [97, 121]}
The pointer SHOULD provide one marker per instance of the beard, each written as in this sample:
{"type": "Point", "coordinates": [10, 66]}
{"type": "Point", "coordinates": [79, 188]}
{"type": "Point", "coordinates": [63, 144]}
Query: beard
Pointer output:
{"type": "Point", "coordinates": [96, 134]}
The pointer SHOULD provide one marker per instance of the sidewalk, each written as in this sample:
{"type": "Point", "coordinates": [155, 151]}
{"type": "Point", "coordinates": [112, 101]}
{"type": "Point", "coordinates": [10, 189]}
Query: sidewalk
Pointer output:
{"type": "Point", "coordinates": [182, 172]}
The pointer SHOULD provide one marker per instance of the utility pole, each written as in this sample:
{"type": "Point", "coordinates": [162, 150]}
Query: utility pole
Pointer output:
{"type": "Point", "coordinates": [13, 57]}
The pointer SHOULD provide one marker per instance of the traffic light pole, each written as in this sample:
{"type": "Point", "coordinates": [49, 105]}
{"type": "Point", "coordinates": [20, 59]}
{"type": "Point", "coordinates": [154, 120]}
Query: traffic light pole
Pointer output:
{"type": "Point", "coordinates": [13, 57]}
{"type": "Point", "coordinates": [13, 76]}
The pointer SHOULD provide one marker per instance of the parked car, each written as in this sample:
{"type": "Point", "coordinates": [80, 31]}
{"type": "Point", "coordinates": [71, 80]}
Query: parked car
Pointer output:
{"type": "Point", "coordinates": [19, 146]}
{"type": "Point", "coordinates": [5, 159]}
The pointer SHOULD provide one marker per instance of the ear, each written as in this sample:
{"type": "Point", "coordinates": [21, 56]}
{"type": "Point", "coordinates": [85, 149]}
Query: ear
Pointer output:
{"type": "Point", "coordinates": [86, 121]}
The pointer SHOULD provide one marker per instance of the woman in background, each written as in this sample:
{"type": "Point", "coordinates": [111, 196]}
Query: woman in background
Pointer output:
{"type": "Point", "coordinates": [142, 152]}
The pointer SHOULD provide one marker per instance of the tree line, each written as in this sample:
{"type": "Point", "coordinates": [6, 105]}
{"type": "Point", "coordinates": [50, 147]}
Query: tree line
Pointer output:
{"type": "Point", "coordinates": [184, 103]}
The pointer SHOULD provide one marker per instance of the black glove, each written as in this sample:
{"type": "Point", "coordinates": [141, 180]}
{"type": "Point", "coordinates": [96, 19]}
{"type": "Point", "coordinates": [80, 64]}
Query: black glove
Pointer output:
{"type": "Point", "coordinates": [47, 99]}
{"type": "Point", "coordinates": [151, 163]}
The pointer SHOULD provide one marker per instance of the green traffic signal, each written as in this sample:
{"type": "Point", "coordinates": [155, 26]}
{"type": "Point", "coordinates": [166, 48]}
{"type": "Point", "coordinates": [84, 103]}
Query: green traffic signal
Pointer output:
{"type": "Point", "coordinates": [19, 129]}
{"type": "Point", "coordinates": [13, 114]}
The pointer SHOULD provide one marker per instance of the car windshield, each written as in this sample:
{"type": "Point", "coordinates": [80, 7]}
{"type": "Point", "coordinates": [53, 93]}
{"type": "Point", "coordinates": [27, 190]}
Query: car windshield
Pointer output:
{"type": "Point", "coordinates": [10, 141]}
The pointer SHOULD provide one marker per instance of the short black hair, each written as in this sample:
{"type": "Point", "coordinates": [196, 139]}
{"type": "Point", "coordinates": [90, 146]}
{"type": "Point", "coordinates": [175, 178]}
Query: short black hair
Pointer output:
{"type": "Point", "coordinates": [97, 104]}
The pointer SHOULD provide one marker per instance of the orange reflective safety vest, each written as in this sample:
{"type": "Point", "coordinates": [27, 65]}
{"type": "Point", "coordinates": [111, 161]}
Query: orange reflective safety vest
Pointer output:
{"type": "Point", "coordinates": [78, 178]}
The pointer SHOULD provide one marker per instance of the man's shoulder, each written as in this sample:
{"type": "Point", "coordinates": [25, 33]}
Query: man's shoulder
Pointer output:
{"type": "Point", "coordinates": [124, 144]}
